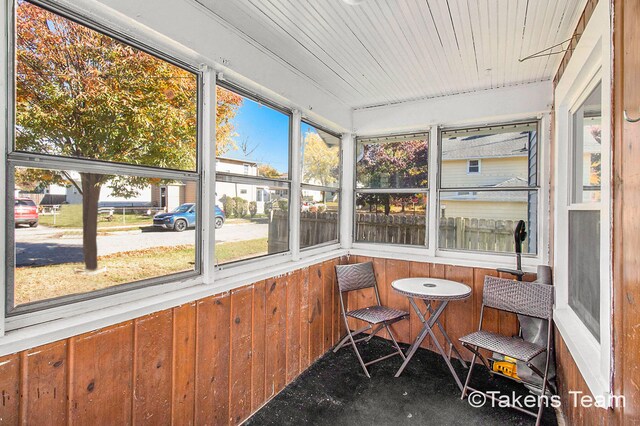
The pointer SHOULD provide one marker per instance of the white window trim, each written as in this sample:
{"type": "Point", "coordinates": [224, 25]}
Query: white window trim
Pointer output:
{"type": "Point", "coordinates": [589, 64]}
{"type": "Point", "coordinates": [40, 327]}
{"type": "Point", "coordinates": [479, 166]}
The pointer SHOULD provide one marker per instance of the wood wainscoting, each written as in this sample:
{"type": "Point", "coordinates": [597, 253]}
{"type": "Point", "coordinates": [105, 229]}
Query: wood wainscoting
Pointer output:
{"type": "Point", "coordinates": [214, 361]}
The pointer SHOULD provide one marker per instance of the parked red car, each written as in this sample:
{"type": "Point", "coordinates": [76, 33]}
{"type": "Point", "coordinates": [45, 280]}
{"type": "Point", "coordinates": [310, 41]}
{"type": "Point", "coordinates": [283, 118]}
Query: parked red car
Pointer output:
{"type": "Point", "coordinates": [25, 212]}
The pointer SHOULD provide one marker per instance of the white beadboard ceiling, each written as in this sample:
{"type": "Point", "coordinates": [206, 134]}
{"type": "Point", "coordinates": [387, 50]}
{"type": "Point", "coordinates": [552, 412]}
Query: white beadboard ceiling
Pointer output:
{"type": "Point", "coordinates": [384, 52]}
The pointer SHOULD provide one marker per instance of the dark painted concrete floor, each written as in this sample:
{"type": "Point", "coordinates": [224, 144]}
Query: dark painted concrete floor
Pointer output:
{"type": "Point", "coordinates": [335, 391]}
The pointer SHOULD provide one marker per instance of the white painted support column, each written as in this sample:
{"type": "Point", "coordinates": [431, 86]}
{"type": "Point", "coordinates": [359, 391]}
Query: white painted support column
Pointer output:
{"type": "Point", "coordinates": [346, 196]}
{"type": "Point", "coordinates": [434, 212]}
{"type": "Point", "coordinates": [296, 172]}
{"type": "Point", "coordinates": [3, 162]}
{"type": "Point", "coordinates": [208, 162]}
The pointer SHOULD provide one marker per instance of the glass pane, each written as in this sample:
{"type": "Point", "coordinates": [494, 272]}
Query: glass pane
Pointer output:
{"type": "Point", "coordinates": [584, 267]}
{"type": "Point", "coordinates": [486, 220]}
{"type": "Point", "coordinates": [394, 163]}
{"type": "Point", "coordinates": [318, 217]}
{"type": "Point", "coordinates": [251, 138]}
{"type": "Point", "coordinates": [80, 93]}
{"type": "Point", "coordinates": [503, 156]}
{"type": "Point", "coordinates": [587, 149]}
{"type": "Point", "coordinates": [125, 237]}
{"type": "Point", "coordinates": [392, 218]}
{"type": "Point", "coordinates": [320, 157]}
{"type": "Point", "coordinates": [255, 221]}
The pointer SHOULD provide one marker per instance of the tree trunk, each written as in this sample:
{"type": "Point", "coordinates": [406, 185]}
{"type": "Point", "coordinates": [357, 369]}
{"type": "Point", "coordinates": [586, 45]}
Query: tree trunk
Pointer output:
{"type": "Point", "coordinates": [387, 204]}
{"type": "Point", "coordinates": [91, 184]}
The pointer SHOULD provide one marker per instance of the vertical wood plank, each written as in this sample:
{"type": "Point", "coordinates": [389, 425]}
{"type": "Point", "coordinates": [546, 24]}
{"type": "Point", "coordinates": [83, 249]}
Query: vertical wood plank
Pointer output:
{"type": "Point", "coordinates": [491, 317]}
{"type": "Point", "coordinates": [380, 270]}
{"type": "Point", "coordinates": [44, 384]}
{"type": "Point", "coordinates": [101, 376]}
{"type": "Point", "coordinates": [304, 319]}
{"type": "Point", "coordinates": [10, 389]}
{"type": "Point", "coordinates": [212, 362]}
{"type": "Point", "coordinates": [438, 271]}
{"type": "Point", "coordinates": [315, 312]}
{"type": "Point", "coordinates": [293, 326]}
{"type": "Point", "coordinates": [327, 308]}
{"type": "Point", "coordinates": [459, 314]}
{"type": "Point", "coordinates": [336, 327]}
{"type": "Point", "coordinates": [258, 346]}
{"type": "Point", "coordinates": [153, 369]}
{"type": "Point", "coordinates": [396, 269]}
{"type": "Point", "coordinates": [276, 334]}
{"type": "Point", "coordinates": [240, 352]}
{"type": "Point", "coordinates": [184, 364]}
{"type": "Point", "coordinates": [417, 270]}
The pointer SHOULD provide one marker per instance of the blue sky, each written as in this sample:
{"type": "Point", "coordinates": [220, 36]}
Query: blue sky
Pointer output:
{"type": "Point", "coordinates": [266, 132]}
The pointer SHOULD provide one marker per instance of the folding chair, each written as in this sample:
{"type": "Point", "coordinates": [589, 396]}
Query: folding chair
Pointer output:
{"type": "Point", "coordinates": [531, 299]}
{"type": "Point", "coordinates": [357, 277]}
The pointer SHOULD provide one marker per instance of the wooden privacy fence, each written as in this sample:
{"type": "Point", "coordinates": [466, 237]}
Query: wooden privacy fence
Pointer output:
{"type": "Point", "coordinates": [455, 233]}
{"type": "Point", "coordinates": [315, 228]}
{"type": "Point", "coordinates": [393, 229]}
{"type": "Point", "coordinates": [477, 234]}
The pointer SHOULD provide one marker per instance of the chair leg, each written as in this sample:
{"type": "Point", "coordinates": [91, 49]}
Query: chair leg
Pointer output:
{"type": "Point", "coordinates": [544, 388]}
{"type": "Point", "coordinates": [355, 348]}
{"type": "Point", "coordinates": [466, 382]}
{"type": "Point", "coordinates": [395, 343]}
{"type": "Point", "coordinates": [345, 339]}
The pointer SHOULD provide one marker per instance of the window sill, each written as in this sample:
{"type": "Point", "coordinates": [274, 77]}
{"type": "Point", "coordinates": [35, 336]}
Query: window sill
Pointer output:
{"type": "Point", "coordinates": [71, 320]}
{"type": "Point", "coordinates": [456, 258]}
{"type": "Point", "coordinates": [586, 352]}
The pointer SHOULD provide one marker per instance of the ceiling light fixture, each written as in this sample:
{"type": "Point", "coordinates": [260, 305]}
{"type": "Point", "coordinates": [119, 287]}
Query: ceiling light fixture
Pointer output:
{"type": "Point", "coordinates": [353, 2]}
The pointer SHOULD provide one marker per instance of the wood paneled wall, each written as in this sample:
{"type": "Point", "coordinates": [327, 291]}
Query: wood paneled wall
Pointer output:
{"type": "Point", "coordinates": [211, 362]}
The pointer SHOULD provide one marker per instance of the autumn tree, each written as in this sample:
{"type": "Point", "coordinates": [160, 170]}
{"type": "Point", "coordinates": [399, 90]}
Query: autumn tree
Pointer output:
{"type": "Point", "coordinates": [392, 165]}
{"type": "Point", "coordinates": [321, 161]}
{"type": "Point", "coordinates": [83, 94]}
{"type": "Point", "coordinates": [268, 171]}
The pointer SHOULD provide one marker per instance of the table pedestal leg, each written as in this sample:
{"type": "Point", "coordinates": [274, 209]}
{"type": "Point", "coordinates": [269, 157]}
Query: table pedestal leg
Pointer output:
{"type": "Point", "coordinates": [428, 329]}
{"type": "Point", "coordinates": [423, 333]}
{"type": "Point", "coordinates": [446, 336]}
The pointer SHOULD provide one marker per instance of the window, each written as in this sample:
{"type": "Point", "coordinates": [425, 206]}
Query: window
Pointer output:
{"type": "Point", "coordinates": [392, 189]}
{"type": "Point", "coordinates": [584, 211]}
{"type": "Point", "coordinates": [479, 211]}
{"type": "Point", "coordinates": [473, 166]}
{"type": "Point", "coordinates": [99, 126]}
{"type": "Point", "coordinates": [320, 186]}
{"type": "Point", "coordinates": [252, 177]}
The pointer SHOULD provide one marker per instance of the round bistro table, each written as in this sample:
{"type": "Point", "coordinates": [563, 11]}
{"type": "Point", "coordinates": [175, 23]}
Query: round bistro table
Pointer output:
{"type": "Point", "coordinates": [432, 291]}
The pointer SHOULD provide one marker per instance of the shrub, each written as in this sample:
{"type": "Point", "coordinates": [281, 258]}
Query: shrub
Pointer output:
{"type": "Point", "coordinates": [322, 208]}
{"type": "Point", "coordinates": [241, 208]}
{"type": "Point", "coordinates": [283, 204]}
{"type": "Point", "coordinates": [253, 208]}
{"type": "Point", "coordinates": [229, 205]}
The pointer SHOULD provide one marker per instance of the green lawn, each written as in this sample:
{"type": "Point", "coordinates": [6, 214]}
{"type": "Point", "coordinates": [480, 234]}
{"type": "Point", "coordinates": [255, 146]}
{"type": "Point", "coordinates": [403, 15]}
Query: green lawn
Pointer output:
{"type": "Point", "coordinates": [45, 282]}
{"type": "Point", "coordinates": [70, 216]}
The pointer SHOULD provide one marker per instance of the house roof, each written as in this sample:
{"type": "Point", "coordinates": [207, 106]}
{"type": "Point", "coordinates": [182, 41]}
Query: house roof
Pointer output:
{"type": "Point", "coordinates": [486, 146]}
{"type": "Point", "coordinates": [235, 161]}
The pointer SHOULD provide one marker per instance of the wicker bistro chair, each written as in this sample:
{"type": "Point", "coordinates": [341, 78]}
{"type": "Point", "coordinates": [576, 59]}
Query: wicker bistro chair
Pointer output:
{"type": "Point", "coordinates": [531, 299]}
{"type": "Point", "coordinates": [357, 277]}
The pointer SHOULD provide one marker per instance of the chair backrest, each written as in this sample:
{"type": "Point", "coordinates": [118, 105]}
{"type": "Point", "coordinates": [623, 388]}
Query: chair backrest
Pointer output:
{"type": "Point", "coordinates": [532, 299]}
{"type": "Point", "coordinates": [355, 276]}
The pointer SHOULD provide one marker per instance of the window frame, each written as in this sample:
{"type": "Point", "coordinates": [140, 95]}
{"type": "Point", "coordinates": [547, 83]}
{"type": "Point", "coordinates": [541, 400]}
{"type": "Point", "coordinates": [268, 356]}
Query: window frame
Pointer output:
{"type": "Point", "coordinates": [421, 134]}
{"type": "Point", "coordinates": [537, 188]}
{"type": "Point", "coordinates": [259, 180]}
{"type": "Point", "coordinates": [13, 158]}
{"type": "Point", "coordinates": [479, 165]}
{"type": "Point", "coordinates": [588, 67]}
{"type": "Point", "coordinates": [338, 189]}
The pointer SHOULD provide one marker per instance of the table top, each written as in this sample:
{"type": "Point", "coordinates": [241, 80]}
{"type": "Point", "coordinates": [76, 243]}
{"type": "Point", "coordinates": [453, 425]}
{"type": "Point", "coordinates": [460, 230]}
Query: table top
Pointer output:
{"type": "Point", "coordinates": [431, 288]}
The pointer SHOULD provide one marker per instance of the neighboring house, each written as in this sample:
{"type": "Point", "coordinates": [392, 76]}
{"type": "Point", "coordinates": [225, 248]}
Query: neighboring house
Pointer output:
{"type": "Point", "coordinates": [485, 161]}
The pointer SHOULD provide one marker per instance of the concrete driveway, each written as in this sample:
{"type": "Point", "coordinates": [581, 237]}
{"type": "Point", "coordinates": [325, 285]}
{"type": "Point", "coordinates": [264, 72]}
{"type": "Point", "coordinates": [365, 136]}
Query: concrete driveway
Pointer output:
{"type": "Point", "coordinates": [48, 246]}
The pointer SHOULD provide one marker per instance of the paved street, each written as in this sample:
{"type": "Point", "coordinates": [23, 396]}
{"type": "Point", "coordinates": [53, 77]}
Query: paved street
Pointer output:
{"type": "Point", "coordinates": [46, 246]}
